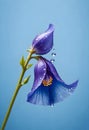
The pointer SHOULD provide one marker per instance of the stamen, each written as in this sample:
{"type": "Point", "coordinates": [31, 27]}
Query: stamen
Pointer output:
{"type": "Point", "coordinates": [47, 82]}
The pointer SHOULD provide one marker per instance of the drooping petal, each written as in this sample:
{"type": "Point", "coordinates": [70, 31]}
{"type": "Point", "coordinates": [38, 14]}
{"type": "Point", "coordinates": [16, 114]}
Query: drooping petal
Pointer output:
{"type": "Point", "coordinates": [43, 43]}
{"type": "Point", "coordinates": [53, 70]}
{"type": "Point", "coordinates": [72, 86]}
{"type": "Point", "coordinates": [59, 92]}
{"type": "Point", "coordinates": [39, 73]}
{"type": "Point", "coordinates": [46, 91]}
{"type": "Point", "coordinates": [50, 95]}
{"type": "Point", "coordinates": [40, 96]}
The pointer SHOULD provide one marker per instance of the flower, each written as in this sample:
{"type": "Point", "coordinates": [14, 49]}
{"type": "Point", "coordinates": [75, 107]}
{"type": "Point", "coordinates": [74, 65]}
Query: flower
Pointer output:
{"type": "Point", "coordinates": [43, 43]}
{"type": "Point", "coordinates": [48, 87]}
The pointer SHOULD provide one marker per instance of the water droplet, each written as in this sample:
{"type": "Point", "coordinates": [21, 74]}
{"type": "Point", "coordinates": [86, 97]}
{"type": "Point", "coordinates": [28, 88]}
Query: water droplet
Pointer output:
{"type": "Point", "coordinates": [69, 90]}
{"type": "Point", "coordinates": [53, 54]}
{"type": "Point", "coordinates": [44, 69]}
{"type": "Point", "coordinates": [53, 49]}
{"type": "Point", "coordinates": [37, 38]}
{"type": "Point", "coordinates": [44, 73]}
{"type": "Point", "coordinates": [52, 60]}
{"type": "Point", "coordinates": [40, 78]}
{"type": "Point", "coordinates": [52, 105]}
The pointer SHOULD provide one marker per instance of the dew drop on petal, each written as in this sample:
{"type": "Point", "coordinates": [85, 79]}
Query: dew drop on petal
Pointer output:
{"type": "Point", "coordinates": [52, 105]}
{"type": "Point", "coordinates": [70, 90]}
{"type": "Point", "coordinates": [36, 39]}
{"type": "Point", "coordinates": [52, 60]}
{"type": "Point", "coordinates": [44, 69]}
{"type": "Point", "coordinates": [44, 73]}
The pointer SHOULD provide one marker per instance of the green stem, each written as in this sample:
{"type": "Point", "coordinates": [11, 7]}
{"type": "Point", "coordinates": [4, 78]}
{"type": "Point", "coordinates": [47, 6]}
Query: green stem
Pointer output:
{"type": "Point", "coordinates": [15, 92]}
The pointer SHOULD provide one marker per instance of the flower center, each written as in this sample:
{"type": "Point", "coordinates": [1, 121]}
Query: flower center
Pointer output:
{"type": "Point", "coordinates": [47, 82]}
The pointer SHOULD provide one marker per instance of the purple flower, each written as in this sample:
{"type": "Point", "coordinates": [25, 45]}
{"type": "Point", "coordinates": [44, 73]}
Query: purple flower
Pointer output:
{"type": "Point", "coordinates": [48, 88]}
{"type": "Point", "coordinates": [43, 43]}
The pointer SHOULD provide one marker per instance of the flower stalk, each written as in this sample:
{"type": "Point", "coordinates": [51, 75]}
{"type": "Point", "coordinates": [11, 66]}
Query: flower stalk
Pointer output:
{"type": "Point", "coordinates": [19, 84]}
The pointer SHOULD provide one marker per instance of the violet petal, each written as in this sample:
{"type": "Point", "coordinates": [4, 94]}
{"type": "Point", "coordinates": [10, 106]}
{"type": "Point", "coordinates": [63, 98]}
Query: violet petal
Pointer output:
{"type": "Point", "coordinates": [53, 70]}
{"type": "Point", "coordinates": [56, 75]}
{"type": "Point", "coordinates": [40, 96]}
{"type": "Point", "coordinates": [39, 73]}
{"type": "Point", "coordinates": [43, 43]}
{"type": "Point", "coordinates": [50, 95]}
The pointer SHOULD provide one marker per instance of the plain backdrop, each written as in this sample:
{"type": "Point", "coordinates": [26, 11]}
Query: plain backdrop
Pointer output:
{"type": "Point", "coordinates": [20, 22]}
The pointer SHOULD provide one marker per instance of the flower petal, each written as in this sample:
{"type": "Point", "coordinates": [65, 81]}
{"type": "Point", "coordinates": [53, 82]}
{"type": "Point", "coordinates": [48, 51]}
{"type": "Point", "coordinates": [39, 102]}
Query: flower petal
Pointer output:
{"type": "Point", "coordinates": [50, 95]}
{"type": "Point", "coordinates": [59, 92]}
{"type": "Point", "coordinates": [43, 43]}
{"type": "Point", "coordinates": [40, 96]}
{"type": "Point", "coordinates": [72, 86]}
{"type": "Point", "coordinates": [39, 73]}
{"type": "Point", "coordinates": [53, 70]}
{"type": "Point", "coordinates": [53, 93]}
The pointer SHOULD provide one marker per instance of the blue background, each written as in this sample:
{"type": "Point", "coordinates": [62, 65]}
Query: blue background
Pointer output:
{"type": "Point", "coordinates": [20, 22]}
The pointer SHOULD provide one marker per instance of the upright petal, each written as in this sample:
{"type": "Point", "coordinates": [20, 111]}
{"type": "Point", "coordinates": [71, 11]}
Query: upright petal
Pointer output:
{"type": "Point", "coordinates": [43, 43]}
{"type": "Point", "coordinates": [39, 73]}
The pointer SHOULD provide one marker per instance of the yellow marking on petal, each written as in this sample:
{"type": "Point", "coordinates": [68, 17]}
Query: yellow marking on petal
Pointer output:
{"type": "Point", "coordinates": [47, 82]}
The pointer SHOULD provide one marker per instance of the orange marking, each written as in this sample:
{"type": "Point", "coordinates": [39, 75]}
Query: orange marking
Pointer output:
{"type": "Point", "coordinates": [47, 82]}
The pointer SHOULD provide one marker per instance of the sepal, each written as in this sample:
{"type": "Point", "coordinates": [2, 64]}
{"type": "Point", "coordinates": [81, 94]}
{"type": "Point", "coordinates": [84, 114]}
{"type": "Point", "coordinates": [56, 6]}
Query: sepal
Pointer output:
{"type": "Point", "coordinates": [25, 81]}
{"type": "Point", "coordinates": [22, 62]}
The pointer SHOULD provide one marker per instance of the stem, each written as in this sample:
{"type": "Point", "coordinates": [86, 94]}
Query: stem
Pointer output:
{"type": "Point", "coordinates": [15, 92]}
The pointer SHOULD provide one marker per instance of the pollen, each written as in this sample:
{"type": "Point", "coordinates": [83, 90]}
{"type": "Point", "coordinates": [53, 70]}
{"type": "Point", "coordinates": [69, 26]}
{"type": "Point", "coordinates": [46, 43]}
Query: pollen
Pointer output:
{"type": "Point", "coordinates": [47, 82]}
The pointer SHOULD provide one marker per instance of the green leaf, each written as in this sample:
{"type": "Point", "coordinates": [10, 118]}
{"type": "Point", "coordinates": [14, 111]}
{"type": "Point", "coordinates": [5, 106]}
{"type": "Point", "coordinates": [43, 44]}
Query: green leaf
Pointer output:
{"type": "Point", "coordinates": [29, 66]}
{"type": "Point", "coordinates": [25, 81]}
{"type": "Point", "coordinates": [22, 61]}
